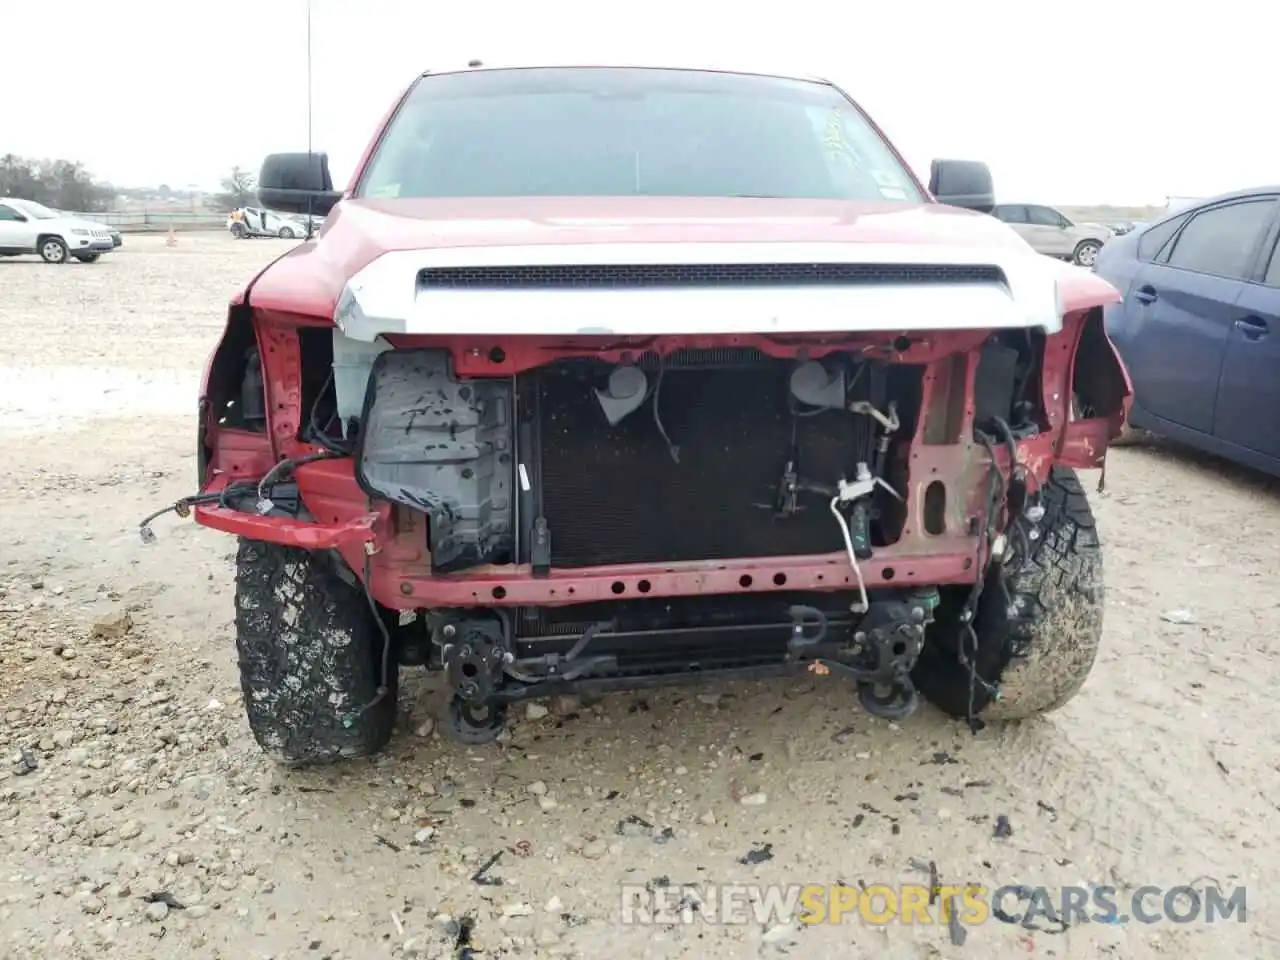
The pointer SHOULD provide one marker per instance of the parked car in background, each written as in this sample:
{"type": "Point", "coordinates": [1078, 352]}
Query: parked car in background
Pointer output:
{"type": "Point", "coordinates": [1127, 226]}
{"type": "Point", "coordinates": [257, 222]}
{"type": "Point", "coordinates": [1053, 234]}
{"type": "Point", "coordinates": [27, 227]}
{"type": "Point", "coordinates": [1199, 328]}
{"type": "Point", "coordinates": [113, 232]}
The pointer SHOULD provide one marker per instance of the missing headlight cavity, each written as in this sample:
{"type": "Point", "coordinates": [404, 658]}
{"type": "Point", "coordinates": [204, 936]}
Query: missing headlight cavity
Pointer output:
{"type": "Point", "coordinates": [442, 446]}
{"type": "Point", "coordinates": [1006, 384]}
{"type": "Point", "coordinates": [1098, 381]}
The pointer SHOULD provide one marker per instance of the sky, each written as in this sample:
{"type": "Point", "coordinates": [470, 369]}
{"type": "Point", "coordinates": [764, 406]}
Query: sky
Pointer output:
{"type": "Point", "coordinates": [1127, 102]}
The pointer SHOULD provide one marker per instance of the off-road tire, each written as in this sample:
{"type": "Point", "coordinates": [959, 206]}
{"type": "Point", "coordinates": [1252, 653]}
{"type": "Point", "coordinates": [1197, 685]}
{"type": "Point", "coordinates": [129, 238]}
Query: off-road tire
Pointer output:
{"type": "Point", "coordinates": [52, 250]}
{"type": "Point", "coordinates": [1037, 650]}
{"type": "Point", "coordinates": [310, 656]}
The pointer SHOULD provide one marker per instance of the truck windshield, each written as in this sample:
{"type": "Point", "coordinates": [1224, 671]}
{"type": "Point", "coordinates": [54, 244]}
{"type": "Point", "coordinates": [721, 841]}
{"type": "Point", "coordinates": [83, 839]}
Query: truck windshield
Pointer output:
{"type": "Point", "coordinates": [606, 132]}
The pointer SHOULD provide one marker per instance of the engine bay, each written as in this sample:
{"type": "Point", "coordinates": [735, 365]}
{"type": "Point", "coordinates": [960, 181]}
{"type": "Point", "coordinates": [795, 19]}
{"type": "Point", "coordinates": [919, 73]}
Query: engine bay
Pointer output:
{"type": "Point", "coordinates": [696, 455]}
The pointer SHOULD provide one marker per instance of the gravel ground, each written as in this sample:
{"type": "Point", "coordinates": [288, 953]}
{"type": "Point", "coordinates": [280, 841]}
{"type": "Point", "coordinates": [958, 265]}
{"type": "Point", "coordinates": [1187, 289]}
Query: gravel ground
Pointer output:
{"type": "Point", "coordinates": [128, 771]}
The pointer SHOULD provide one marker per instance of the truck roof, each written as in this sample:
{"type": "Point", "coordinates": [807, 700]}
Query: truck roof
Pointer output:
{"type": "Point", "coordinates": [758, 71]}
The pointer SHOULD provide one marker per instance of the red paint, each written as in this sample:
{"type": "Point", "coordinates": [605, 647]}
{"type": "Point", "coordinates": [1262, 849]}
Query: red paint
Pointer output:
{"type": "Point", "coordinates": [296, 533]}
{"type": "Point", "coordinates": [241, 453]}
{"type": "Point", "coordinates": [309, 279]}
{"type": "Point", "coordinates": [400, 564]}
{"type": "Point", "coordinates": [302, 289]}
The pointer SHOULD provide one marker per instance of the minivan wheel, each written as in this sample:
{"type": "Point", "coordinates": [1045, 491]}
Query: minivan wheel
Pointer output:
{"type": "Point", "coordinates": [286, 233]}
{"type": "Point", "coordinates": [1086, 253]}
{"type": "Point", "coordinates": [53, 250]}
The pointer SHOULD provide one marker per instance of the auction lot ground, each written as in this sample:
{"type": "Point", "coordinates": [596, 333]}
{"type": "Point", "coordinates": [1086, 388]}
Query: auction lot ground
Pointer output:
{"type": "Point", "coordinates": [1164, 771]}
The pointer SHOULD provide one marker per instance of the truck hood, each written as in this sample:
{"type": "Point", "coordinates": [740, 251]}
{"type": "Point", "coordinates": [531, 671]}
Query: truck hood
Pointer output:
{"type": "Point", "coordinates": [363, 268]}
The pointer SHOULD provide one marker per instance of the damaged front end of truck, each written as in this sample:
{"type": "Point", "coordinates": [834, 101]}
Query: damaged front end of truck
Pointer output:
{"type": "Point", "coordinates": [698, 468]}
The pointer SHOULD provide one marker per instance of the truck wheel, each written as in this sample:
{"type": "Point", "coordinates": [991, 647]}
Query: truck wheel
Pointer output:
{"type": "Point", "coordinates": [1037, 648]}
{"type": "Point", "coordinates": [53, 250]}
{"type": "Point", "coordinates": [310, 653]}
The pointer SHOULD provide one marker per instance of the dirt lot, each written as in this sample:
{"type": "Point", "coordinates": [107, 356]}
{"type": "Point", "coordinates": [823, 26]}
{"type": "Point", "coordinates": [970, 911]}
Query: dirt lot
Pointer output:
{"type": "Point", "coordinates": [1164, 771]}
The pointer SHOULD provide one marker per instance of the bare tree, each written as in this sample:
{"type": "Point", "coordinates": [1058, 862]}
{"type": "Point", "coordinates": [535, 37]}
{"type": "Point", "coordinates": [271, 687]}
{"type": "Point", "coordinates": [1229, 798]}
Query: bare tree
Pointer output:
{"type": "Point", "coordinates": [238, 189]}
{"type": "Point", "coordinates": [62, 184]}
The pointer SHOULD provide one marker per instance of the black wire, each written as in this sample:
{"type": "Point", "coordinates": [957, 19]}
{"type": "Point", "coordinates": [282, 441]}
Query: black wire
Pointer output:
{"type": "Point", "coordinates": [1007, 435]}
{"type": "Point", "coordinates": [1003, 486]}
{"type": "Point", "coordinates": [384, 683]}
{"type": "Point", "coordinates": [995, 483]}
{"type": "Point", "coordinates": [993, 479]}
{"type": "Point", "coordinates": [1013, 529]}
{"type": "Point", "coordinates": [273, 475]}
{"type": "Point", "coordinates": [318, 433]}
{"type": "Point", "coordinates": [195, 500]}
{"type": "Point", "coordinates": [657, 417]}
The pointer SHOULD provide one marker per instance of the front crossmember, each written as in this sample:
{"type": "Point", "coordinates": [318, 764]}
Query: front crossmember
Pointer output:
{"type": "Point", "coordinates": [487, 670]}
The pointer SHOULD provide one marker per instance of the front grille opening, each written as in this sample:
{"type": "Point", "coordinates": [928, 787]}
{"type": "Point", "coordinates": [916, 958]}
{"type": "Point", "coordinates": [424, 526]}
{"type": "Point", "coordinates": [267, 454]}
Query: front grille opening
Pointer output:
{"type": "Point", "coordinates": [632, 276]}
{"type": "Point", "coordinates": [615, 494]}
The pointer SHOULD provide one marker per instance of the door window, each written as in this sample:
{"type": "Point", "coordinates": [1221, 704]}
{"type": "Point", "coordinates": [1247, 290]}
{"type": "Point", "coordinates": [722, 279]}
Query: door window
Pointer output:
{"type": "Point", "coordinates": [1044, 217]}
{"type": "Point", "coordinates": [1221, 241]}
{"type": "Point", "coordinates": [11, 215]}
{"type": "Point", "coordinates": [1272, 279]}
{"type": "Point", "coordinates": [1151, 243]}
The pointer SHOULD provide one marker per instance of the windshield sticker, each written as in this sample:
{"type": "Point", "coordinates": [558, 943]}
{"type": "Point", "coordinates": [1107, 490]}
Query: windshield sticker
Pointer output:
{"type": "Point", "coordinates": [889, 184]}
{"type": "Point", "coordinates": [833, 134]}
{"type": "Point", "coordinates": [390, 191]}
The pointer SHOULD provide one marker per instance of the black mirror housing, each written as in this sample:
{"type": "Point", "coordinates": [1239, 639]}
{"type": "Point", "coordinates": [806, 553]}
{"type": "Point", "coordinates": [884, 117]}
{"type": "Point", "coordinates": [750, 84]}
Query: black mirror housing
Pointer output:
{"type": "Point", "coordinates": [297, 183]}
{"type": "Point", "coordinates": [962, 183]}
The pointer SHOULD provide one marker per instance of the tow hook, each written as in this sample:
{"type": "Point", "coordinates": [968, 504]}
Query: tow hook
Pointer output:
{"type": "Point", "coordinates": [808, 629]}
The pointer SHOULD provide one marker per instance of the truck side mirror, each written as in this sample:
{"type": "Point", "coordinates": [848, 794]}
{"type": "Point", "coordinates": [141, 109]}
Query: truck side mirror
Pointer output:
{"type": "Point", "coordinates": [297, 183]}
{"type": "Point", "coordinates": [962, 183]}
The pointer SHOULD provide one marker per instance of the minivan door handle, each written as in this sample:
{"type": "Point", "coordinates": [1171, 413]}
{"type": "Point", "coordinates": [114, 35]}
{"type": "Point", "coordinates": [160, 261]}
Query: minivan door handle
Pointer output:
{"type": "Point", "coordinates": [1253, 328]}
{"type": "Point", "coordinates": [1145, 294]}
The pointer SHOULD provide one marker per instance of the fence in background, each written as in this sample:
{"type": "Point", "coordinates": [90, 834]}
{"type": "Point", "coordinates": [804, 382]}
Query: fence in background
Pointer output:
{"type": "Point", "coordinates": [145, 221]}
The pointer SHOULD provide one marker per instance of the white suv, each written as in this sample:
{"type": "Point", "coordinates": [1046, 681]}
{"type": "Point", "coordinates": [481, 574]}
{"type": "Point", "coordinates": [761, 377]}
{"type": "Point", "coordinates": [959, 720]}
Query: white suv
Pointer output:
{"type": "Point", "coordinates": [1051, 233]}
{"type": "Point", "coordinates": [30, 227]}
